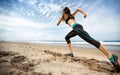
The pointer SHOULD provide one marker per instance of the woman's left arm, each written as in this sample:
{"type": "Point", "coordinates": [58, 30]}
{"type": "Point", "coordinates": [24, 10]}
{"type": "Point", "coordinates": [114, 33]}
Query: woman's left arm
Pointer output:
{"type": "Point", "coordinates": [81, 11]}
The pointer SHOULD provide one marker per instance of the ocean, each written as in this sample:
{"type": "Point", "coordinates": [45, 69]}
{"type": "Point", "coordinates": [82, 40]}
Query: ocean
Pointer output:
{"type": "Point", "coordinates": [114, 45]}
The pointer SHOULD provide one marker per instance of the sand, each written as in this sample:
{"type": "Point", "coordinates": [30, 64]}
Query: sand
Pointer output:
{"type": "Point", "coordinates": [42, 59]}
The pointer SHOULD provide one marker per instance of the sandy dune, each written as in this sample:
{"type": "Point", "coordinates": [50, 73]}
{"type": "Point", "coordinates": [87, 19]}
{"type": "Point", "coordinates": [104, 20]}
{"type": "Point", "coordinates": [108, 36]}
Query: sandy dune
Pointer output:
{"type": "Point", "coordinates": [39, 59]}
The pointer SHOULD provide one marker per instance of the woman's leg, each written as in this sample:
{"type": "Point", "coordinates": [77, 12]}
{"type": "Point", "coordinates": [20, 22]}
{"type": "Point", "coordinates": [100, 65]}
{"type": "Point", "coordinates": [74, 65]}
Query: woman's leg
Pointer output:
{"type": "Point", "coordinates": [84, 35]}
{"type": "Point", "coordinates": [67, 38]}
{"type": "Point", "coordinates": [70, 47]}
{"type": "Point", "coordinates": [113, 58]}
{"type": "Point", "coordinates": [105, 51]}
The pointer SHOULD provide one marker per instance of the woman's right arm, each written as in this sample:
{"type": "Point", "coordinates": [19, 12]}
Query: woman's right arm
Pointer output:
{"type": "Point", "coordinates": [81, 11]}
{"type": "Point", "coordinates": [60, 19]}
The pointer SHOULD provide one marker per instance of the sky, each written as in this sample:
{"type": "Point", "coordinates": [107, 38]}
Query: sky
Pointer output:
{"type": "Point", "coordinates": [35, 20]}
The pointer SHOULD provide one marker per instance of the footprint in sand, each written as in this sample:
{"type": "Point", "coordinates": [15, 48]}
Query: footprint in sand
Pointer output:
{"type": "Point", "coordinates": [22, 63]}
{"type": "Point", "coordinates": [6, 53]}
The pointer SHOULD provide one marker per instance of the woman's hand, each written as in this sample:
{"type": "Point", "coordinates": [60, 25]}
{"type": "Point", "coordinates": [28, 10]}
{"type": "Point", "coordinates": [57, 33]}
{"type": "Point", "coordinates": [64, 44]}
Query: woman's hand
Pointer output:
{"type": "Point", "coordinates": [85, 15]}
{"type": "Point", "coordinates": [57, 24]}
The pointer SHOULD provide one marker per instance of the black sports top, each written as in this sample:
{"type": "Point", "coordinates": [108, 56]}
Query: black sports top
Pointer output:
{"type": "Point", "coordinates": [69, 17]}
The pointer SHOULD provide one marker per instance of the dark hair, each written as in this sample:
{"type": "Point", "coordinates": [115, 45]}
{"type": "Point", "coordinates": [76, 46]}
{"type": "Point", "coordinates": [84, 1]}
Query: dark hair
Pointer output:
{"type": "Point", "coordinates": [66, 10]}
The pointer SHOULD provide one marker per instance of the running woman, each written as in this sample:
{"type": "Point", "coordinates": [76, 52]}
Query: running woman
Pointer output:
{"type": "Point", "coordinates": [68, 17]}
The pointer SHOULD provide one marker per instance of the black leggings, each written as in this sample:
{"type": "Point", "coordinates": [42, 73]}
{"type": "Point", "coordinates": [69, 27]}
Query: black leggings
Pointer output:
{"type": "Point", "coordinates": [78, 30]}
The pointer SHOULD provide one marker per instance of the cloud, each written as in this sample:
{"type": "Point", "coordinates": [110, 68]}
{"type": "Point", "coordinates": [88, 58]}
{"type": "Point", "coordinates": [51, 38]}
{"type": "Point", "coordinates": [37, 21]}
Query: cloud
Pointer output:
{"type": "Point", "coordinates": [31, 2]}
{"type": "Point", "coordinates": [49, 10]}
{"type": "Point", "coordinates": [19, 21]}
{"type": "Point", "coordinates": [18, 26]}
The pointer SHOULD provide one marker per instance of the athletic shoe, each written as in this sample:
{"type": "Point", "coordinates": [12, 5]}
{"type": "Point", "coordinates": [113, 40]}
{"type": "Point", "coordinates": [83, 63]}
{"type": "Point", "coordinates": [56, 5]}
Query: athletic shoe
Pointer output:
{"type": "Point", "coordinates": [69, 54]}
{"type": "Point", "coordinates": [115, 63]}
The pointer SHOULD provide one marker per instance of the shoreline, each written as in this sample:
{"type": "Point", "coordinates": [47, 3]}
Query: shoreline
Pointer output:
{"type": "Point", "coordinates": [109, 45]}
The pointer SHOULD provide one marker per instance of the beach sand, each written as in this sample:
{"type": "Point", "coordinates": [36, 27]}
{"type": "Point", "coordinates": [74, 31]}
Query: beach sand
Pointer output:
{"type": "Point", "coordinates": [42, 59]}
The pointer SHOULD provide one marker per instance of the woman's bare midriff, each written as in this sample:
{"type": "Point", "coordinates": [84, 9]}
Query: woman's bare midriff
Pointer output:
{"type": "Point", "coordinates": [71, 22]}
